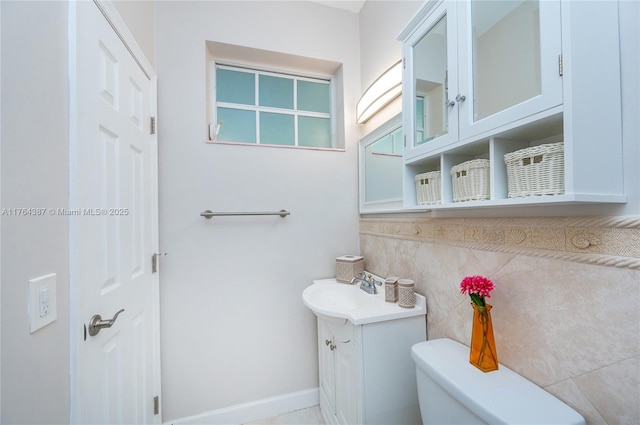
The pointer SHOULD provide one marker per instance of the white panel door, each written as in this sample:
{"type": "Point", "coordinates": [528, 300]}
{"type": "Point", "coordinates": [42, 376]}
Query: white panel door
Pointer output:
{"type": "Point", "coordinates": [115, 230]}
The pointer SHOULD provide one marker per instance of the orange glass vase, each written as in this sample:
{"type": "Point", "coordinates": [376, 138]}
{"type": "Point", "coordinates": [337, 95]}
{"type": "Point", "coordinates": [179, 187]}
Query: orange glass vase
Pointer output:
{"type": "Point", "coordinates": [483, 347]}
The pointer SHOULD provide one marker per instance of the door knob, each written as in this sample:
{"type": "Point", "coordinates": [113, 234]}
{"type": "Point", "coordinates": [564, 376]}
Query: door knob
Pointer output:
{"type": "Point", "coordinates": [449, 103]}
{"type": "Point", "coordinates": [96, 323]}
{"type": "Point", "coordinates": [460, 98]}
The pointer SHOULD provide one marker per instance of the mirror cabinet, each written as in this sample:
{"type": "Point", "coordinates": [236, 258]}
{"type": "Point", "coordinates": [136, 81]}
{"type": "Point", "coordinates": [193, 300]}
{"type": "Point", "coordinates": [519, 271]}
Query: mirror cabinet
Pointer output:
{"type": "Point", "coordinates": [381, 168]}
{"type": "Point", "coordinates": [485, 80]}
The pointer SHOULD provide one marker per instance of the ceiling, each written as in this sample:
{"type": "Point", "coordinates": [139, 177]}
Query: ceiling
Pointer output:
{"type": "Point", "coordinates": [350, 5]}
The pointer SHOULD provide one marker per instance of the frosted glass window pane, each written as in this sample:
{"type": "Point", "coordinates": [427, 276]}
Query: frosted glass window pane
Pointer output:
{"type": "Point", "coordinates": [235, 87]}
{"type": "Point", "coordinates": [384, 144]}
{"type": "Point", "coordinates": [506, 54]}
{"type": "Point", "coordinates": [383, 172]}
{"type": "Point", "coordinates": [391, 143]}
{"type": "Point", "coordinates": [276, 92]}
{"type": "Point", "coordinates": [313, 97]}
{"type": "Point", "coordinates": [277, 129]}
{"type": "Point", "coordinates": [314, 132]}
{"type": "Point", "coordinates": [237, 125]}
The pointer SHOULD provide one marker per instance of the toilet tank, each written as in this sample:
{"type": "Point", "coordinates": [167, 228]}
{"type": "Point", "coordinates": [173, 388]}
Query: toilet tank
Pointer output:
{"type": "Point", "coordinates": [452, 391]}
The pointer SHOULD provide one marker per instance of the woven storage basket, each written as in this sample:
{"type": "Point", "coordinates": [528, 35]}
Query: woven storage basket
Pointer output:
{"type": "Point", "coordinates": [471, 181]}
{"type": "Point", "coordinates": [428, 188]}
{"type": "Point", "coordinates": [536, 171]}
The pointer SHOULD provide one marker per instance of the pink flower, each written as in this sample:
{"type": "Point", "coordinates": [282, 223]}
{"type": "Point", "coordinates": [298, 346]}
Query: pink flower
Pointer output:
{"type": "Point", "coordinates": [477, 287]}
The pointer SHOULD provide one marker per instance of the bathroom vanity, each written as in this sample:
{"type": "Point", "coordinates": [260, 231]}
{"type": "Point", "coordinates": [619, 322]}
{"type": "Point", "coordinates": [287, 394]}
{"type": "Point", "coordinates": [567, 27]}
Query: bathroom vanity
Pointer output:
{"type": "Point", "coordinates": [366, 372]}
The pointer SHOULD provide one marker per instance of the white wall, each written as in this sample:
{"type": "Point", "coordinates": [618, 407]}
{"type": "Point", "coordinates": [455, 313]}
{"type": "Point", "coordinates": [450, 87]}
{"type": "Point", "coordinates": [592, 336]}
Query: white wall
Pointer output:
{"type": "Point", "coordinates": [35, 367]}
{"type": "Point", "coordinates": [139, 15]}
{"type": "Point", "coordinates": [234, 328]}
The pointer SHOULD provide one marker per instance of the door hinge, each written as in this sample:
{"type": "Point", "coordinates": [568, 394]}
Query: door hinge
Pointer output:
{"type": "Point", "coordinates": [154, 261]}
{"type": "Point", "coordinates": [560, 65]}
{"type": "Point", "coordinates": [152, 125]}
{"type": "Point", "coordinates": [404, 63]}
{"type": "Point", "coordinates": [404, 137]}
{"type": "Point", "coordinates": [156, 405]}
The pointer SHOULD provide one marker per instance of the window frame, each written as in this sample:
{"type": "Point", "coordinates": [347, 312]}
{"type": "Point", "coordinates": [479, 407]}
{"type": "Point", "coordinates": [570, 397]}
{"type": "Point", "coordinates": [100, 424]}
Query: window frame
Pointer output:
{"type": "Point", "coordinates": [258, 70]}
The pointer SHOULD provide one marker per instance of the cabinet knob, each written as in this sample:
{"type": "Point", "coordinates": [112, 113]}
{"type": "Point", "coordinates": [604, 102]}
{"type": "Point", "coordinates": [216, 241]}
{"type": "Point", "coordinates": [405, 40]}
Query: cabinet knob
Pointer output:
{"type": "Point", "coordinates": [332, 347]}
{"type": "Point", "coordinates": [327, 342]}
{"type": "Point", "coordinates": [460, 98]}
{"type": "Point", "coordinates": [449, 103]}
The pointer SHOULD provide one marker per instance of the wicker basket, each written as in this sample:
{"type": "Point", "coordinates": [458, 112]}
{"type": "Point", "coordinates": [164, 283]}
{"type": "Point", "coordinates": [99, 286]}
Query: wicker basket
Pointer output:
{"type": "Point", "coordinates": [536, 171]}
{"type": "Point", "coordinates": [428, 188]}
{"type": "Point", "coordinates": [471, 181]}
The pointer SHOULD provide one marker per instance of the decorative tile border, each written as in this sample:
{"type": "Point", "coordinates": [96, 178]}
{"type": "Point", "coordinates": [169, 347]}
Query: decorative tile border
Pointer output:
{"type": "Point", "coordinates": [609, 241]}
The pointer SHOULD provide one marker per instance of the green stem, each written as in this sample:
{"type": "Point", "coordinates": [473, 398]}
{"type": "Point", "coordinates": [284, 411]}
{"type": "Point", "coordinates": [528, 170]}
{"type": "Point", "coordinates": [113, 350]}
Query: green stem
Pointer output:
{"type": "Point", "coordinates": [477, 300]}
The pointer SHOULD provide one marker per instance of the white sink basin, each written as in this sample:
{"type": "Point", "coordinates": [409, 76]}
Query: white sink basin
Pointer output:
{"type": "Point", "coordinates": [335, 297]}
{"type": "Point", "coordinates": [336, 301]}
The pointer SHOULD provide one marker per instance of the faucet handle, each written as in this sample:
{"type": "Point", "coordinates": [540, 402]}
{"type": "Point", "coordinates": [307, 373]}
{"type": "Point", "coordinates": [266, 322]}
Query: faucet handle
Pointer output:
{"type": "Point", "coordinates": [372, 280]}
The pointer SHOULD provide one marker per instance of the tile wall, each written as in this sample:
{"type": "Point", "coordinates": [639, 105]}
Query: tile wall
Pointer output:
{"type": "Point", "coordinates": [566, 308]}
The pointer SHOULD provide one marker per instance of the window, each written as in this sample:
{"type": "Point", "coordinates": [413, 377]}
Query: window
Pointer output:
{"type": "Point", "coordinates": [271, 108]}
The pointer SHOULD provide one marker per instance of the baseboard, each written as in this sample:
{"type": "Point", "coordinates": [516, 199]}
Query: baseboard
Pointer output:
{"type": "Point", "coordinates": [255, 410]}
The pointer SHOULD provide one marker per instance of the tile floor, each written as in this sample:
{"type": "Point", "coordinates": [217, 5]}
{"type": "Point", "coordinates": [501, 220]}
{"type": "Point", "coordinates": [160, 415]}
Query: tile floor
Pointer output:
{"type": "Point", "coordinates": [310, 416]}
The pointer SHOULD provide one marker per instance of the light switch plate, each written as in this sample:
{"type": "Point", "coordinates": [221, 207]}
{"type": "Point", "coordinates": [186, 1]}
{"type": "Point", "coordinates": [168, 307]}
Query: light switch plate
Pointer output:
{"type": "Point", "coordinates": [42, 299]}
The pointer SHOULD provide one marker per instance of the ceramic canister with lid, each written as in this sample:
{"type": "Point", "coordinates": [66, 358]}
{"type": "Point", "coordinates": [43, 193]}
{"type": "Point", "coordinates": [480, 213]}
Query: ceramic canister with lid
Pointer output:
{"type": "Point", "coordinates": [406, 294]}
{"type": "Point", "coordinates": [348, 267]}
{"type": "Point", "coordinates": [391, 289]}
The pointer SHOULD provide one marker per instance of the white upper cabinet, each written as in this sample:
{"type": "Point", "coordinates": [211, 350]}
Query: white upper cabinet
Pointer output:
{"type": "Point", "coordinates": [509, 57]}
{"type": "Point", "coordinates": [483, 79]}
{"type": "Point", "coordinates": [475, 66]}
{"type": "Point", "coordinates": [431, 74]}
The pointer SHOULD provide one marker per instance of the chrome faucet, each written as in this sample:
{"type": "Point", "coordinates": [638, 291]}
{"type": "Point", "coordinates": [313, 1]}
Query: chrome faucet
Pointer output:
{"type": "Point", "coordinates": [367, 283]}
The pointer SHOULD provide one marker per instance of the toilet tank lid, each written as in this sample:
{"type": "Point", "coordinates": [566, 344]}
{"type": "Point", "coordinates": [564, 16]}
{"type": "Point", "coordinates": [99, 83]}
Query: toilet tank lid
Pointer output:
{"type": "Point", "coordinates": [498, 397]}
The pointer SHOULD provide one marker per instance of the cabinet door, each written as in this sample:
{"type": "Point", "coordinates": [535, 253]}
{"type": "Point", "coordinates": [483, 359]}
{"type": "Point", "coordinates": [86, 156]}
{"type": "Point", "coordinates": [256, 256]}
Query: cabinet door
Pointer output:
{"type": "Point", "coordinates": [429, 79]}
{"type": "Point", "coordinates": [346, 375]}
{"type": "Point", "coordinates": [509, 62]}
{"type": "Point", "coordinates": [326, 365]}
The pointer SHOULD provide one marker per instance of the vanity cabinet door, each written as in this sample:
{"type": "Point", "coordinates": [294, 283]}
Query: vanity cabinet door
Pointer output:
{"type": "Point", "coordinates": [430, 82]}
{"type": "Point", "coordinates": [326, 366]}
{"type": "Point", "coordinates": [339, 373]}
{"type": "Point", "coordinates": [509, 62]}
{"type": "Point", "coordinates": [366, 372]}
{"type": "Point", "coordinates": [346, 375]}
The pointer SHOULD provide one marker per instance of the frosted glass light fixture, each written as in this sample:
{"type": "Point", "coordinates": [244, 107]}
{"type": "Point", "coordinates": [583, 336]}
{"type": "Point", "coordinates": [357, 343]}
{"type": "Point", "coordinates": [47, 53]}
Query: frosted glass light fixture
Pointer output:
{"type": "Point", "coordinates": [383, 90]}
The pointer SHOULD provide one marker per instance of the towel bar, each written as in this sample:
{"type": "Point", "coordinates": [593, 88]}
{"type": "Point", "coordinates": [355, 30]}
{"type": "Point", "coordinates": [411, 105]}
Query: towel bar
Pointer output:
{"type": "Point", "coordinates": [208, 213]}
